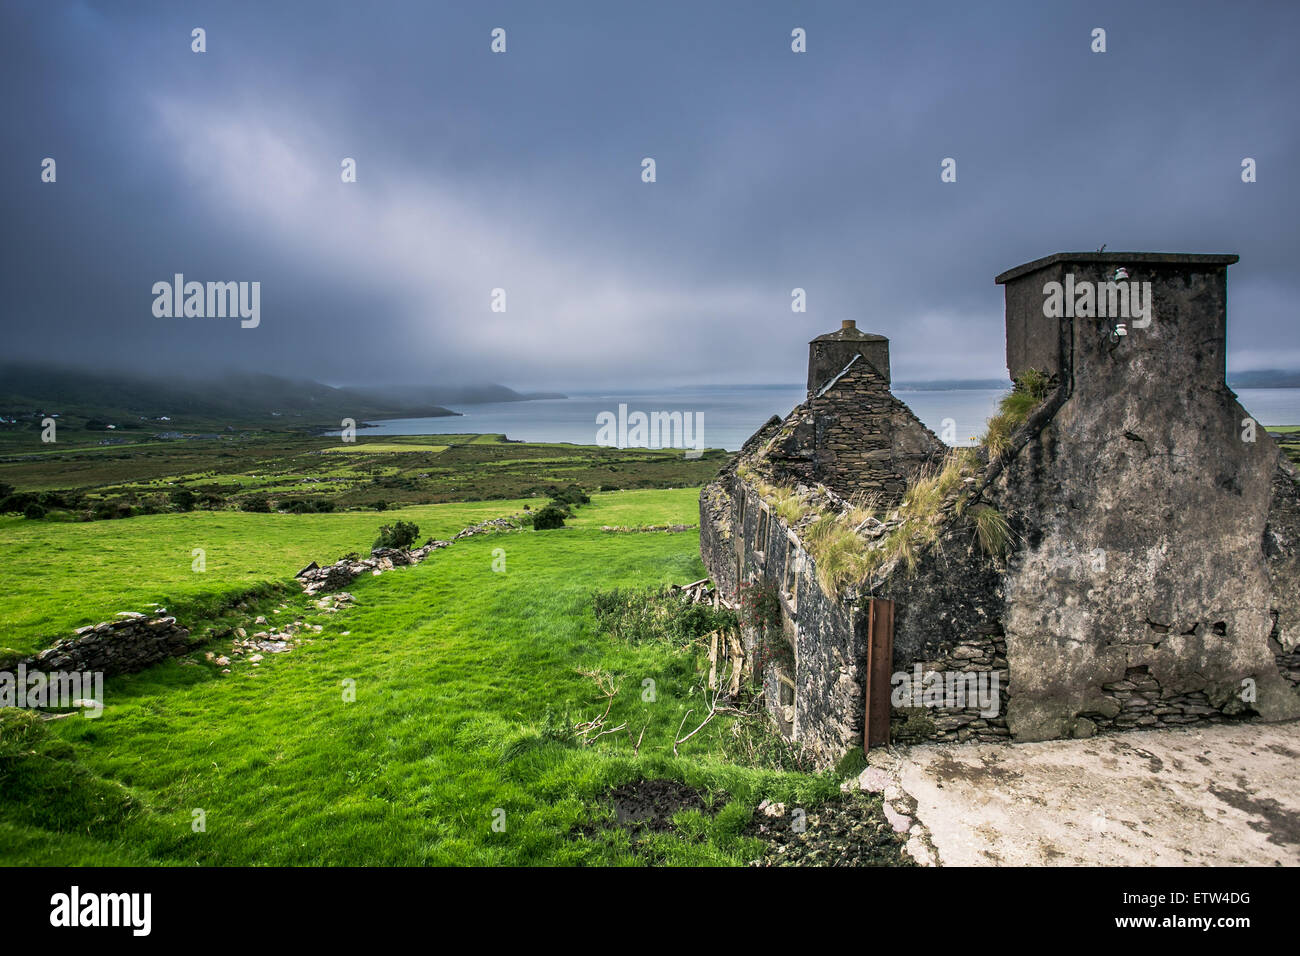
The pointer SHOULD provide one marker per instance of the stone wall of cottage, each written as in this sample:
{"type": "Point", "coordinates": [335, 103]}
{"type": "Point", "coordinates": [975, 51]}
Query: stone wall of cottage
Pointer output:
{"type": "Point", "coordinates": [1153, 567]}
{"type": "Point", "coordinates": [960, 716]}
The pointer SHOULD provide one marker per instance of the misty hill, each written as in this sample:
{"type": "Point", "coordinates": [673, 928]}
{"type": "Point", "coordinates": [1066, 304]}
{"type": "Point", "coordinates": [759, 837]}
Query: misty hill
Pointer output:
{"type": "Point", "coordinates": [450, 394]}
{"type": "Point", "coordinates": [233, 397]}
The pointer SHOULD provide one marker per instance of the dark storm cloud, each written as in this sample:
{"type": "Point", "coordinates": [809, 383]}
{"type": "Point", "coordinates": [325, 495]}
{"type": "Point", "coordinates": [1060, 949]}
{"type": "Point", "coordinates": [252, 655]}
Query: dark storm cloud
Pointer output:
{"type": "Point", "coordinates": [522, 171]}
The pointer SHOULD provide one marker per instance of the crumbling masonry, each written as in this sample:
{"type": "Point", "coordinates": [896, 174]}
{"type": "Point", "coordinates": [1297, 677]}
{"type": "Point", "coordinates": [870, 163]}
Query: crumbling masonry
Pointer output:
{"type": "Point", "coordinates": [1152, 565]}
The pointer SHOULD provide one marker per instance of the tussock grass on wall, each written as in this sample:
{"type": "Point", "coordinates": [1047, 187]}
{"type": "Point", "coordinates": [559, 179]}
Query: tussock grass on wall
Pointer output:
{"type": "Point", "coordinates": [1014, 410]}
{"type": "Point", "coordinates": [839, 553]}
{"type": "Point", "coordinates": [784, 500]}
{"type": "Point", "coordinates": [862, 509]}
{"type": "Point", "coordinates": [843, 556]}
{"type": "Point", "coordinates": [991, 530]}
{"type": "Point", "coordinates": [786, 503]}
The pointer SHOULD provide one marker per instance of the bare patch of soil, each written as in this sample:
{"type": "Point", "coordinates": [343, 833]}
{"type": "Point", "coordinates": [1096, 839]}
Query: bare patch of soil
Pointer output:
{"type": "Point", "coordinates": [648, 806]}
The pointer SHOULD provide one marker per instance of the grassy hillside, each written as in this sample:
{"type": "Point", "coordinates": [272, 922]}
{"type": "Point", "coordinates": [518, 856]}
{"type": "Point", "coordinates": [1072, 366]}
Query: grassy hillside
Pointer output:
{"type": "Point", "coordinates": [63, 575]}
{"type": "Point", "coordinates": [397, 470]}
{"type": "Point", "coordinates": [467, 680]}
{"type": "Point", "coordinates": [139, 401]}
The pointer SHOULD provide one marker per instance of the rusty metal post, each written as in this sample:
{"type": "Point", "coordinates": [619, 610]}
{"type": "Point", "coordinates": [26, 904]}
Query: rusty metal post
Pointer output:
{"type": "Point", "coordinates": [880, 663]}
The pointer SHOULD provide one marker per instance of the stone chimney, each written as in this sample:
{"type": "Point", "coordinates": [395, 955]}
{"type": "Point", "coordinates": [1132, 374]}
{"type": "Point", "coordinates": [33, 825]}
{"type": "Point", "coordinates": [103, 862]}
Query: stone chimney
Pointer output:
{"type": "Point", "coordinates": [829, 354]}
{"type": "Point", "coordinates": [1074, 311]}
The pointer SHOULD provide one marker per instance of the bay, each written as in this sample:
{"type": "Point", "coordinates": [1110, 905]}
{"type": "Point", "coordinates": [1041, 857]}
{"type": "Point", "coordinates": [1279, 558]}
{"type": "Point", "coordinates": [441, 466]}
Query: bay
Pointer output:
{"type": "Point", "coordinates": [732, 413]}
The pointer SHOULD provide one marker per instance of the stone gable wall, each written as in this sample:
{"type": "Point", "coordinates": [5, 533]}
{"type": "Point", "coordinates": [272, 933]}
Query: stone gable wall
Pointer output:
{"type": "Point", "coordinates": [1144, 466]}
{"type": "Point", "coordinates": [855, 438]}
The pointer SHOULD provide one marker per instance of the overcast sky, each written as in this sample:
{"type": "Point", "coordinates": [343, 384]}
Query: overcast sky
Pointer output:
{"type": "Point", "coordinates": [522, 171]}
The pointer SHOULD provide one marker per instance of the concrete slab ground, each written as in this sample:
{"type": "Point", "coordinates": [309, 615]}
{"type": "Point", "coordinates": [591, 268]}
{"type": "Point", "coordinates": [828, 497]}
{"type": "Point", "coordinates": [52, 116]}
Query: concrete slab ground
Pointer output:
{"type": "Point", "coordinates": [1225, 795]}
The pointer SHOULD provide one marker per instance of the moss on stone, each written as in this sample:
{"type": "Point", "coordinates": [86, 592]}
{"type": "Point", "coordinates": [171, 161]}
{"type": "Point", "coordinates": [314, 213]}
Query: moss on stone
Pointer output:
{"type": "Point", "coordinates": [916, 727]}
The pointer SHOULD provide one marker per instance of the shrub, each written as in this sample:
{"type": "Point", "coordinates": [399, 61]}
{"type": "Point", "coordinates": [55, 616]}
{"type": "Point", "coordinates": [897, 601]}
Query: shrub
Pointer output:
{"type": "Point", "coordinates": [401, 535]}
{"type": "Point", "coordinates": [760, 608]}
{"type": "Point", "coordinates": [649, 614]}
{"type": "Point", "coordinates": [258, 504]}
{"type": "Point", "coordinates": [569, 495]}
{"type": "Point", "coordinates": [307, 506]}
{"type": "Point", "coordinates": [549, 518]}
{"type": "Point", "coordinates": [57, 499]}
{"type": "Point", "coordinates": [183, 498]}
{"type": "Point", "coordinates": [18, 502]}
{"type": "Point", "coordinates": [34, 511]}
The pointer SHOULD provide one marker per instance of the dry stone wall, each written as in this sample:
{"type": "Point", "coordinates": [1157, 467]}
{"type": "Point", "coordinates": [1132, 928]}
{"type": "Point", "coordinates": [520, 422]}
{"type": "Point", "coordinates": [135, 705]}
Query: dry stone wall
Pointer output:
{"type": "Point", "coordinates": [1139, 702]}
{"type": "Point", "coordinates": [334, 577]}
{"type": "Point", "coordinates": [958, 718]}
{"type": "Point", "coordinates": [131, 643]}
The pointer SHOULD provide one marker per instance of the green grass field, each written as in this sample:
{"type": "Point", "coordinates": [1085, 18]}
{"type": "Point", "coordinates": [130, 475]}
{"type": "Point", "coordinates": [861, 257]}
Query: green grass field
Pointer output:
{"type": "Point", "coordinates": [461, 676]}
{"type": "Point", "coordinates": [63, 575]}
{"type": "Point", "coordinates": [374, 447]}
{"type": "Point", "coordinates": [397, 470]}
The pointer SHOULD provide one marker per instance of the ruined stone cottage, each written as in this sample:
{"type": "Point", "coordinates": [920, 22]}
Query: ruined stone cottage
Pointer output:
{"type": "Point", "coordinates": [1121, 551]}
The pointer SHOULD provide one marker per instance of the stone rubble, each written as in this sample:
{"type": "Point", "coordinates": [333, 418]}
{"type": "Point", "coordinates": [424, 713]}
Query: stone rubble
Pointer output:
{"type": "Point", "coordinates": [136, 640]}
{"type": "Point", "coordinates": [334, 577]}
{"type": "Point", "coordinates": [881, 777]}
{"type": "Point", "coordinates": [847, 831]}
{"type": "Point", "coordinates": [131, 643]}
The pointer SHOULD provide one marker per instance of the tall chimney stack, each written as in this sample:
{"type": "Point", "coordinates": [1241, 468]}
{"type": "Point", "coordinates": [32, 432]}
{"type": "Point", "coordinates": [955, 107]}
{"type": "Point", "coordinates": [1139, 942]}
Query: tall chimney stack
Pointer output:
{"type": "Point", "coordinates": [1187, 304]}
{"type": "Point", "coordinates": [829, 354]}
